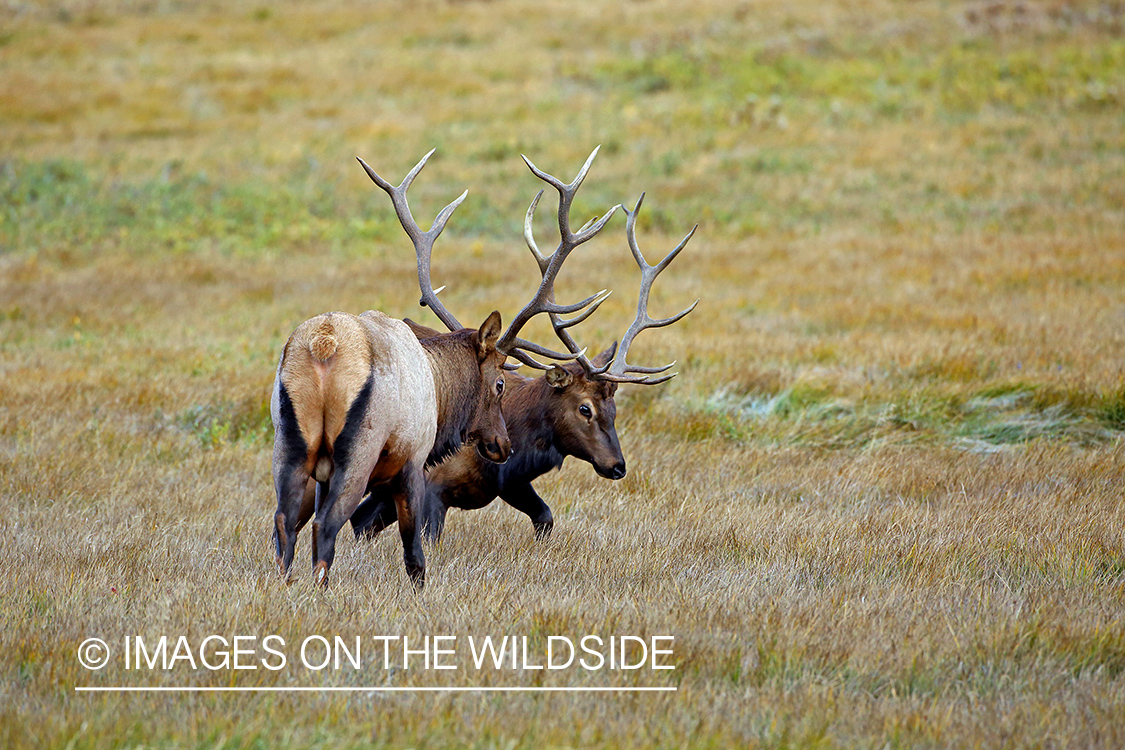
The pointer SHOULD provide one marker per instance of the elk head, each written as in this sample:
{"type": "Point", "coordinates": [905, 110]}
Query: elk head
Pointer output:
{"type": "Point", "coordinates": [583, 410]}
{"type": "Point", "coordinates": [487, 430]}
{"type": "Point", "coordinates": [583, 413]}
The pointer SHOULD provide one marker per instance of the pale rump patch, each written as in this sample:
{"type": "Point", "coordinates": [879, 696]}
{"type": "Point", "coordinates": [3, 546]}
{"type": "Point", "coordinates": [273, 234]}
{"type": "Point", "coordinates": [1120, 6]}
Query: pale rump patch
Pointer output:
{"type": "Point", "coordinates": [323, 388]}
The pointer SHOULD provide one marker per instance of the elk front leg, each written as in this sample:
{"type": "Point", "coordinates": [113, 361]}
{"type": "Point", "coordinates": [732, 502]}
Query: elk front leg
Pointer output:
{"type": "Point", "coordinates": [409, 492]}
{"type": "Point", "coordinates": [523, 498]}
{"type": "Point", "coordinates": [433, 514]}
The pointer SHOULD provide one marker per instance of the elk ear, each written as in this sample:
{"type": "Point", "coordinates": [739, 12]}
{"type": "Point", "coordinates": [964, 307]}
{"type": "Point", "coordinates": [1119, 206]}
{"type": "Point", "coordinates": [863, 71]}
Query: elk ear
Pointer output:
{"type": "Point", "coordinates": [420, 331]}
{"type": "Point", "coordinates": [559, 377]}
{"type": "Point", "coordinates": [605, 357]}
{"type": "Point", "coordinates": [488, 334]}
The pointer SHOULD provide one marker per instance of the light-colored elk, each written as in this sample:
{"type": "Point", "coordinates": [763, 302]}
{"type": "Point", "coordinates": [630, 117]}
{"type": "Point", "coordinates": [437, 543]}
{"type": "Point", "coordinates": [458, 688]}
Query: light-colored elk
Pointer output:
{"type": "Point", "coordinates": [568, 412]}
{"type": "Point", "coordinates": [360, 401]}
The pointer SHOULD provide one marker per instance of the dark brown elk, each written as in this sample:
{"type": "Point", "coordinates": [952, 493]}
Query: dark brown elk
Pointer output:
{"type": "Point", "coordinates": [360, 402]}
{"type": "Point", "coordinates": [570, 411]}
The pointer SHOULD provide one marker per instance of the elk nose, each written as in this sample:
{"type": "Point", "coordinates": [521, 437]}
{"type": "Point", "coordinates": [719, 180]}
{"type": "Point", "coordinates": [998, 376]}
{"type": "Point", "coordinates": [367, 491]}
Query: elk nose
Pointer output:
{"type": "Point", "coordinates": [617, 471]}
{"type": "Point", "coordinates": [497, 450]}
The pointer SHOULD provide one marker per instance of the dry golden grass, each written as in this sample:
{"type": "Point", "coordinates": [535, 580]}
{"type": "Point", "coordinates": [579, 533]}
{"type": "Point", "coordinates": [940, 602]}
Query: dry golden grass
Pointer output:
{"type": "Point", "coordinates": [881, 506]}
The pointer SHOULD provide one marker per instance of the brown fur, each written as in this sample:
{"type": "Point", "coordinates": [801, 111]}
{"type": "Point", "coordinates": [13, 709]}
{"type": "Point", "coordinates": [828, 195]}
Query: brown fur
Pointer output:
{"type": "Point", "coordinates": [545, 425]}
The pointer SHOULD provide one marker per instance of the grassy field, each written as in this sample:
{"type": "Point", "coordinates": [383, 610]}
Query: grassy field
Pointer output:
{"type": "Point", "coordinates": [883, 505]}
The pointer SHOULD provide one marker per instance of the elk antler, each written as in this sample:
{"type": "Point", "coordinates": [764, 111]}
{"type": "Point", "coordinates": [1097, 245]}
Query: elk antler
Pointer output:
{"type": "Point", "coordinates": [549, 265]}
{"type": "Point", "coordinates": [543, 301]}
{"type": "Point", "coordinates": [423, 241]}
{"type": "Point", "coordinates": [618, 369]}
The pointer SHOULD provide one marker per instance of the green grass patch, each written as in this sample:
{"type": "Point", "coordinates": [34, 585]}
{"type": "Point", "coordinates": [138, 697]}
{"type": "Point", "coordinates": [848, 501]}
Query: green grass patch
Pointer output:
{"type": "Point", "coordinates": [759, 410]}
{"type": "Point", "coordinates": [1111, 409]}
{"type": "Point", "coordinates": [223, 422]}
{"type": "Point", "coordinates": [54, 208]}
{"type": "Point", "coordinates": [53, 204]}
{"type": "Point", "coordinates": [890, 82]}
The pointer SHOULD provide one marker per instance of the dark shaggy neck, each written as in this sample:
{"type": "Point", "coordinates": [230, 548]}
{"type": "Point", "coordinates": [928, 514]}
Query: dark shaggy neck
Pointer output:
{"type": "Point", "coordinates": [456, 371]}
{"type": "Point", "coordinates": [531, 430]}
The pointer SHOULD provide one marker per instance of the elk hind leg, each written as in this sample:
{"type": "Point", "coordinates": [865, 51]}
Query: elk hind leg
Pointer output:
{"type": "Point", "coordinates": [335, 506]}
{"type": "Point", "coordinates": [290, 483]}
{"type": "Point", "coordinates": [292, 465]}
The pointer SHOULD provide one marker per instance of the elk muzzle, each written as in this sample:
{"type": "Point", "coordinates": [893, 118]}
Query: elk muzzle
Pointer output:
{"type": "Point", "coordinates": [496, 451]}
{"type": "Point", "coordinates": [616, 471]}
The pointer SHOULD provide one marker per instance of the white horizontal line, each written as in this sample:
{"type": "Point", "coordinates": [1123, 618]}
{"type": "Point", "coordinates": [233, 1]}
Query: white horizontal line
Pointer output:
{"type": "Point", "coordinates": [370, 689]}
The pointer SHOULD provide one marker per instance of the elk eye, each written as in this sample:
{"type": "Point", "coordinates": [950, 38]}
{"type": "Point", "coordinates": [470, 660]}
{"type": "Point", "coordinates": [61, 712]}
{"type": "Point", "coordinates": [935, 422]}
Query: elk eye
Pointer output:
{"type": "Point", "coordinates": [585, 411]}
{"type": "Point", "coordinates": [499, 387]}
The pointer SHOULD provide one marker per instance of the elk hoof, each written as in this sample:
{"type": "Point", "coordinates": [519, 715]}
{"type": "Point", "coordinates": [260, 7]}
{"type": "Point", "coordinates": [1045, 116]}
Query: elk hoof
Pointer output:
{"type": "Point", "coordinates": [543, 530]}
{"type": "Point", "coordinates": [320, 574]}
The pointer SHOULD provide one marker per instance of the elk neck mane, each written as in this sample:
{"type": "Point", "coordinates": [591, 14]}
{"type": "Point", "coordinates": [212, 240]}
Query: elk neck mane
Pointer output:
{"type": "Point", "coordinates": [530, 429]}
{"type": "Point", "coordinates": [457, 382]}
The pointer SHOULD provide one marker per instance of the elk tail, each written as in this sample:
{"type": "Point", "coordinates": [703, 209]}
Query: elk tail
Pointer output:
{"type": "Point", "coordinates": [323, 343]}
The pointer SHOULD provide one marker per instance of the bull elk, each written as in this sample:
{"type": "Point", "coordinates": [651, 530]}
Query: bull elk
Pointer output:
{"type": "Point", "coordinates": [360, 402]}
{"type": "Point", "coordinates": [570, 411]}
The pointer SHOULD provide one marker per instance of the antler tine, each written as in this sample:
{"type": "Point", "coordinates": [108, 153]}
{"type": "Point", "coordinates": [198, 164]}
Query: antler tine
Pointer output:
{"type": "Point", "coordinates": [423, 241]}
{"type": "Point", "coordinates": [561, 324]}
{"type": "Point", "coordinates": [566, 192]}
{"type": "Point", "coordinates": [549, 266]}
{"type": "Point", "coordinates": [515, 348]}
{"type": "Point", "coordinates": [619, 370]}
{"type": "Point", "coordinates": [529, 233]}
